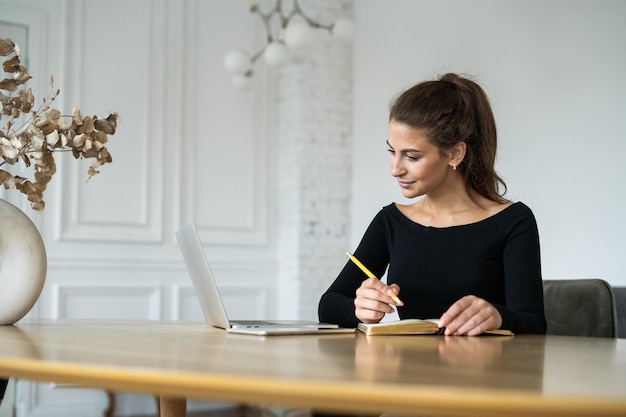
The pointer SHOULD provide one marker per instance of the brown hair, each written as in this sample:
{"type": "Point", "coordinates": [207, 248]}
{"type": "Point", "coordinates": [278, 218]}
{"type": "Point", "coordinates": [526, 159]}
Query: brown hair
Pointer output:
{"type": "Point", "coordinates": [450, 110]}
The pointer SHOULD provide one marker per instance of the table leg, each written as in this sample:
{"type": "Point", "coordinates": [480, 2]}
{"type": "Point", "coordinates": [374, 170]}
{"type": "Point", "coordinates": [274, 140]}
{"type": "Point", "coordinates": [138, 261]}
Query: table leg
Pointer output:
{"type": "Point", "coordinates": [110, 405]}
{"type": "Point", "coordinates": [172, 407]}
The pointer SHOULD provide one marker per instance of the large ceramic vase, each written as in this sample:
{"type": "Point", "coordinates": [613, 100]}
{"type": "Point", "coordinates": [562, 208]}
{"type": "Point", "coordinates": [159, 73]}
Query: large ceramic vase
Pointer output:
{"type": "Point", "coordinates": [23, 263]}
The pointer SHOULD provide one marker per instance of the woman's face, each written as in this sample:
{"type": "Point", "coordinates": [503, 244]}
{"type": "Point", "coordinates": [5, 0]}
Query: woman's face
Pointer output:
{"type": "Point", "coordinates": [418, 165]}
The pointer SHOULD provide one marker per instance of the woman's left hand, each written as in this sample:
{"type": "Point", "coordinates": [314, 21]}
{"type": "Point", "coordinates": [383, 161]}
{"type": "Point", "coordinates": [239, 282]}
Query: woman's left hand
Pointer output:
{"type": "Point", "coordinates": [470, 316]}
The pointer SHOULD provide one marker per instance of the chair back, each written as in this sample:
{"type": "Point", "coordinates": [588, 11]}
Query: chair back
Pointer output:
{"type": "Point", "coordinates": [580, 307]}
{"type": "Point", "coordinates": [620, 300]}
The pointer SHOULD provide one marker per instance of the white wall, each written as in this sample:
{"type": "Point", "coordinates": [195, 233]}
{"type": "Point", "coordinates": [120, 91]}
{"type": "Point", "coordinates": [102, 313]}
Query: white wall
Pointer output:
{"type": "Point", "coordinates": [554, 71]}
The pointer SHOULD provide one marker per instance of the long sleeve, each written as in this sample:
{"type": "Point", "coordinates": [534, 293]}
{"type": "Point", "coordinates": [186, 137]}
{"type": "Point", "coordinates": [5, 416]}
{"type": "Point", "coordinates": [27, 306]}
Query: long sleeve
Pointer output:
{"type": "Point", "coordinates": [337, 303]}
{"type": "Point", "coordinates": [524, 312]}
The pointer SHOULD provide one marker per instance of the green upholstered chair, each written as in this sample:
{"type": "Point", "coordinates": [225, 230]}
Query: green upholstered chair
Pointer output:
{"type": "Point", "coordinates": [620, 299]}
{"type": "Point", "coordinates": [580, 307]}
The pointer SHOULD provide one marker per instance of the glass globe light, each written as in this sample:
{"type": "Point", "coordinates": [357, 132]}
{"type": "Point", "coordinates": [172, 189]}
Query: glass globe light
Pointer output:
{"type": "Point", "coordinates": [237, 62]}
{"type": "Point", "coordinates": [276, 54]}
{"type": "Point", "coordinates": [343, 30]}
{"type": "Point", "coordinates": [298, 34]}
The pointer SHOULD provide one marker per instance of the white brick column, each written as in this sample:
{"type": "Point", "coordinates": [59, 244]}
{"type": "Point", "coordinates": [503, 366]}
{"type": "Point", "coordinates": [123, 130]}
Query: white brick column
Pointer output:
{"type": "Point", "coordinates": [314, 169]}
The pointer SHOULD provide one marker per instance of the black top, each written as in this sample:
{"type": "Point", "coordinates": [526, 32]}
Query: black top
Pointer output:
{"type": "Point", "coordinates": [497, 259]}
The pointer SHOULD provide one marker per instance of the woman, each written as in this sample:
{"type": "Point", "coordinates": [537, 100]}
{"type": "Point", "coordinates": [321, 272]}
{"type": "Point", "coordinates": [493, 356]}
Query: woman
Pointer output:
{"type": "Point", "coordinates": [461, 253]}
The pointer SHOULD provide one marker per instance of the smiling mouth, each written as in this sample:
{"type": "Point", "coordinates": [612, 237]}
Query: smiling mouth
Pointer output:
{"type": "Point", "coordinates": [404, 184]}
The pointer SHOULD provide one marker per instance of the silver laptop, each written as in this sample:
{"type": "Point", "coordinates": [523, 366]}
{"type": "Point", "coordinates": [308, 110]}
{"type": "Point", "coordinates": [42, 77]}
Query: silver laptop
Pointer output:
{"type": "Point", "coordinates": [211, 301]}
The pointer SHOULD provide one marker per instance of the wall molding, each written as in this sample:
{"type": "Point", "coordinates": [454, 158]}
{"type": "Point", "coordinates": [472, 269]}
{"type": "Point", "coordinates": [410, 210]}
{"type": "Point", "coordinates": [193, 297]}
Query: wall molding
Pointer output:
{"type": "Point", "coordinates": [73, 222]}
{"type": "Point", "coordinates": [106, 301]}
{"type": "Point", "coordinates": [251, 229]}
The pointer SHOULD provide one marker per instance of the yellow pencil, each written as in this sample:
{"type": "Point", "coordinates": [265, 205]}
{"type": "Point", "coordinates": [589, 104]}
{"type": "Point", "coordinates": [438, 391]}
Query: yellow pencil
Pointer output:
{"type": "Point", "coordinates": [368, 272]}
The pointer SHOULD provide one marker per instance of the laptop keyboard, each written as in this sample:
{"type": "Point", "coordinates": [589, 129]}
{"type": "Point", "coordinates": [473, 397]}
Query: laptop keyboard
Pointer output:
{"type": "Point", "coordinates": [280, 323]}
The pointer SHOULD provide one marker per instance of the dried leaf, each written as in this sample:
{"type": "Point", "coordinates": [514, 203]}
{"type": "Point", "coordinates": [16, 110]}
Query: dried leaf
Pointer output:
{"type": "Point", "coordinates": [7, 47]}
{"type": "Point", "coordinates": [46, 126]}
{"type": "Point", "coordinates": [4, 176]}
{"type": "Point", "coordinates": [92, 169]}
{"type": "Point", "coordinates": [26, 159]}
{"type": "Point", "coordinates": [26, 187]}
{"type": "Point", "coordinates": [87, 125]}
{"type": "Point", "coordinates": [11, 65]}
{"type": "Point", "coordinates": [90, 153]}
{"type": "Point", "coordinates": [77, 118]}
{"type": "Point", "coordinates": [52, 138]}
{"type": "Point", "coordinates": [107, 125]}
{"type": "Point", "coordinates": [38, 206]}
{"type": "Point", "coordinates": [79, 140]}
{"type": "Point", "coordinates": [18, 142]}
{"type": "Point", "coordinates": [8, 151]}
{"type": "Point", "coordinates": [99, 136]}
{"type": "Point", "coordinates": [26, 100]}
{"type": "Point", "coordinates": [53, 114]}
{"type": "Point", "coordinates": [20, 76]}
{"type": "Point", "coordinates": [105, 155]}
{"type": "Point", "coordinates": [9, 182]}
{"type": "Point", "coordinates": [37, 142]}
{"type": "Point", "coordinates": [8, 84]}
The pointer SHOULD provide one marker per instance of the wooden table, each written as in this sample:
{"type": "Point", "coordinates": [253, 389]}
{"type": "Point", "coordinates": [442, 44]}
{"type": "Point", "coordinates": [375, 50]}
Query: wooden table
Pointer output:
{"type": "Point", "coordinates": [426, 375]}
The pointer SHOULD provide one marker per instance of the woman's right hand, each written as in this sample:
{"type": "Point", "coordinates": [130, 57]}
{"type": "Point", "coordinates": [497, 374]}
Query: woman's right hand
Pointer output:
{"type": "Point", "coordinates": [374, 300]}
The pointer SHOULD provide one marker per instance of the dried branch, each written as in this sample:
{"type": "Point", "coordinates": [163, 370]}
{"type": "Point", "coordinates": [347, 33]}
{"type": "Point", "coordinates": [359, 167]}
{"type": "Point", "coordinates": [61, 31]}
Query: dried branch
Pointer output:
{"type": "Point", "coordinates": [45, 132]}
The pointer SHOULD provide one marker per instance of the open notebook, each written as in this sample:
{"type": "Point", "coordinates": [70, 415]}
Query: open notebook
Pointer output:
{"type": "Point", "coordinates": [211, 301]}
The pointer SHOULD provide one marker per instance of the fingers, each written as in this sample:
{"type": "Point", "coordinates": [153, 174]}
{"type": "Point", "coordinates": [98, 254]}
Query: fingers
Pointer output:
{"type": "Point", "coordinates": [470, 316]}
{"type": "Point", "coordinates": [374, 300]}
{"type": "Point", "coordinates": [392, 291]}
{"type": "Point", "coordinates": [386, 293]}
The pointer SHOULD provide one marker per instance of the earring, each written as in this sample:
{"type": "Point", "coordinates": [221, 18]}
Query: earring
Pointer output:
{"type": "Point", "coordinates": [454, 167]}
